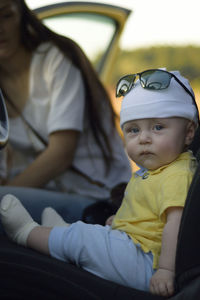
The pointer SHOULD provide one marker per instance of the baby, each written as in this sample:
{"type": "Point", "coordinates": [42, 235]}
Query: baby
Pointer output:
{"type": "Point", "coordinates": [158, 117]}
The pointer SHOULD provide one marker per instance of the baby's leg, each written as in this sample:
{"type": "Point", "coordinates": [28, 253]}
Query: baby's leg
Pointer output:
{"type": "Point", "coordinates": [20, 227]}
{"type": "Point", "coordinates": [38, 239]}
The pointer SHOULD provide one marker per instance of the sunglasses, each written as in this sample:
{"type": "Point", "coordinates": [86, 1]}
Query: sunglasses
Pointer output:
{"type": "Point", "coordinates": [154, 79]}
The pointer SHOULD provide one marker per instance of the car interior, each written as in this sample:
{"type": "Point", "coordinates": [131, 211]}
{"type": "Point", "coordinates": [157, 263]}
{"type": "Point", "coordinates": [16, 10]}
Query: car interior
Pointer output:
{"type": "Point", "coordinates": [26, 274]}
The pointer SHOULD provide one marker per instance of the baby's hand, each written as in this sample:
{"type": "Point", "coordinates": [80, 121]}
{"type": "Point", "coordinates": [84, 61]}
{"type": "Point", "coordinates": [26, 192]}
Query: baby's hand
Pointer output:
{"type": "Point", "coordinates": [162, 283]}
{"type": "Point", "coordinates": [109, 220]}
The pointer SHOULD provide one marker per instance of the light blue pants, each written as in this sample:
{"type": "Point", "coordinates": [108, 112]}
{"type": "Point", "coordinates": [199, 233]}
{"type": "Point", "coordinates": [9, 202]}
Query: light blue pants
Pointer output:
{"type": "Point", "coordinates": [107, 253]}
{"type": "Point", "coordinates": [69, 206]}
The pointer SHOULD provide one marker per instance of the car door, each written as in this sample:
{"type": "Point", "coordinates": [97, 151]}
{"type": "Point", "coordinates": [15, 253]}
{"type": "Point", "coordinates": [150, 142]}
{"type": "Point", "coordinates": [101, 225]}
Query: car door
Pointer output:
{"type": "Point", "coordinates": [96, 27]}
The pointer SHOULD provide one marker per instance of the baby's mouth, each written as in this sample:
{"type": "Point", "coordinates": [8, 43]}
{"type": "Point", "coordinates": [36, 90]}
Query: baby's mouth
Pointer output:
{"type": "Point", "coordinates": [146, 153]}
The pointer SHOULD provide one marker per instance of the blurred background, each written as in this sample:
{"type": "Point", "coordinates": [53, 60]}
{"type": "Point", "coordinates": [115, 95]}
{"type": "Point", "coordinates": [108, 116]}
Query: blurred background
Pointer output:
{"type": "Point", "coordinates": [158, 33]}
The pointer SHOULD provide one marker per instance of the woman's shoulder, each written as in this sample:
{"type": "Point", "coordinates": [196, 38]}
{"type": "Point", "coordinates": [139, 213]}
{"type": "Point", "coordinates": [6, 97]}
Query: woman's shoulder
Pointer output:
{"type": "Point", "coordinates": [48, 58]}
{"type": "Point", "coordinates": [48, 53]}
{"type": "Point", "coordinates": [47, 49]}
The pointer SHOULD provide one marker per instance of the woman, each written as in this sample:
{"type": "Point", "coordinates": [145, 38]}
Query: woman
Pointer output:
{"type": "Point", "coordinates": [62, 131]}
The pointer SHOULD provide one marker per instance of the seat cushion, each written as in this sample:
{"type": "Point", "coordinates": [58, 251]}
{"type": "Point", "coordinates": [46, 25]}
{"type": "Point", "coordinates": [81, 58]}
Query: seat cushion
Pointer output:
{"type": "Point", "coordinates": [26, 274]}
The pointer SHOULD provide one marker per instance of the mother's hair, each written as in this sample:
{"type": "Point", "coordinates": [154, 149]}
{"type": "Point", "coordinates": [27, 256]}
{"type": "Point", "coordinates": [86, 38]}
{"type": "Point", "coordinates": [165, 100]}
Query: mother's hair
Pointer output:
{"type": "Point", "coordinates": [33, 33]}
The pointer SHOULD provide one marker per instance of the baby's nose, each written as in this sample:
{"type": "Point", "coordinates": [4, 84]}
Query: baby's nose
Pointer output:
{"type": "Point", "coordinates": [145, 137]}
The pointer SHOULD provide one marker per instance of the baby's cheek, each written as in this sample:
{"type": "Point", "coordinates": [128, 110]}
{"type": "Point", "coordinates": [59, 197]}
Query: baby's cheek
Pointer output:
{"type": "Point", "coordinates": [131, 150]}
{"type": "Point", "coordinates": [169, 151]}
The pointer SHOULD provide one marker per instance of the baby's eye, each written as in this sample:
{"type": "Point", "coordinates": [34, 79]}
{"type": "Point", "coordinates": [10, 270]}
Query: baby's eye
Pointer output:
{"type": "Point", "coordinates": [158, 127]}
{"type": "Point", "coordinates": [134, 130]}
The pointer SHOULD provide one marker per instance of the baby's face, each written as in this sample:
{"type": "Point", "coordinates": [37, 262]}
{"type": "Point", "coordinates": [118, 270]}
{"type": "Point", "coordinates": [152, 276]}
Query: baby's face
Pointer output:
{"type": "Point", "coordinates": [153, 143]}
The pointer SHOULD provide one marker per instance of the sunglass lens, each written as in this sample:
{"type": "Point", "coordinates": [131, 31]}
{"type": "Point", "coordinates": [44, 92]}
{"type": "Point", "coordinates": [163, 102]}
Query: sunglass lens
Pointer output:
{"type": "Point", "coordinates": [155, 79]}
{"type": "Point", "coordinates": [124, 85]}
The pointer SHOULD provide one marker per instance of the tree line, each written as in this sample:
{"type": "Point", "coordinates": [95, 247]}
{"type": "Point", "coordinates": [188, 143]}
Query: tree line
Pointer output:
{"type": "Point", "coordinates": [186, 59]}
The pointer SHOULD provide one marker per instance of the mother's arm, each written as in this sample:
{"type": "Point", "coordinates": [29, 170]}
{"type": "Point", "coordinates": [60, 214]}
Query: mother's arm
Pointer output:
{"type": "Point", "coordinates": [53, 161]}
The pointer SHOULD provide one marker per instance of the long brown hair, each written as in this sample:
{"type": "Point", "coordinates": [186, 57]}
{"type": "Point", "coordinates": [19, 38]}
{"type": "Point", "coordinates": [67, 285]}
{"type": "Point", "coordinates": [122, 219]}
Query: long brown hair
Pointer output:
{"type": "Point", "coordinates": [33, 33]}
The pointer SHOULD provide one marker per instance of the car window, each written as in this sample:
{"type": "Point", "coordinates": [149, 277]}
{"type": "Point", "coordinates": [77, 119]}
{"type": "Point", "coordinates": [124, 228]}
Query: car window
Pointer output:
{"type": "Point", "coordinates": [91, 31]}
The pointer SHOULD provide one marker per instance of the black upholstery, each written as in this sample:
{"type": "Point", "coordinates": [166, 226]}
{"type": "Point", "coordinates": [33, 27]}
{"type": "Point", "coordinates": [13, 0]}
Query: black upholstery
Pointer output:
{"type": "Point", "coordinates": [188, 248]}
{"type": "Point", "coordinates": [26, 274]}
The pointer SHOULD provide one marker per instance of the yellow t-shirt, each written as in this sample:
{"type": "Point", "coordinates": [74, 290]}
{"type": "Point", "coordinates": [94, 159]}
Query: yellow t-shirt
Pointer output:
{"type": "Point", "coordinates": [142, 213]}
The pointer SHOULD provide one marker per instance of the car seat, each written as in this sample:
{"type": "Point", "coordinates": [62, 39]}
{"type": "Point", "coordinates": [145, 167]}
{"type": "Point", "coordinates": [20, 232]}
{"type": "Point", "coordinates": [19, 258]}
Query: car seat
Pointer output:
{"type": "Point", "coordinates": [26, 274]}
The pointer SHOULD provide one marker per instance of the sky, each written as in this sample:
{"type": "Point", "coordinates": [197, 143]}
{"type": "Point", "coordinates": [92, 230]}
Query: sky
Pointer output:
{"type": "Point", "coordinates": [154, 22]}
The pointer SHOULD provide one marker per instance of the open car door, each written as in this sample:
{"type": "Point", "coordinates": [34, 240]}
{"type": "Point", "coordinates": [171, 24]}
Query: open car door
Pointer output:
{"type": "Point", "coordinates": [96, 27]}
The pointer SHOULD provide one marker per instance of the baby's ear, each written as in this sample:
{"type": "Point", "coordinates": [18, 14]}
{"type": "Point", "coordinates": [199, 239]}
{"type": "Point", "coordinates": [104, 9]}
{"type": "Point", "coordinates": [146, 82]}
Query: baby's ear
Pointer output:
{"type": "Point", "coordinates": [190, 132]}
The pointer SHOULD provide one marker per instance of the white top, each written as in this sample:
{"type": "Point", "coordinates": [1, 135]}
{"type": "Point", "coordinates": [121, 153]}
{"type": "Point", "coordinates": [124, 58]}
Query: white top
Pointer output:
{"type": "Point", "coordinates": [56, 102]}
